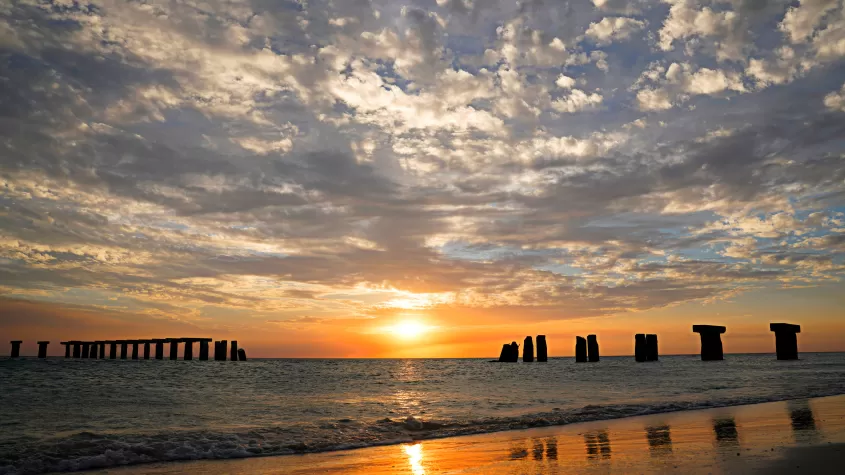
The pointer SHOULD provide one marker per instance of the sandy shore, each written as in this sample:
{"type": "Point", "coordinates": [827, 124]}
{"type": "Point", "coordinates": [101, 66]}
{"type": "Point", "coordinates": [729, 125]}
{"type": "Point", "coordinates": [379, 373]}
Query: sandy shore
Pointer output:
{"type": "Point", "coordinates": [800, 436]}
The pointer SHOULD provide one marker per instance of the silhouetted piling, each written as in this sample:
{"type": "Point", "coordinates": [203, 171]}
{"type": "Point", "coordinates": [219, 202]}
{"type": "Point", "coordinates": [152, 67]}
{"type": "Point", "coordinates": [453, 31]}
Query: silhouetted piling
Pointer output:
{"type": "Point", "coordinates": [711, 341]}
{"type": "Point", "coordinates": [159, 348]}
{"type": "Point", "coordinates": [514, 354]}
{"type": "Point", "coordinates": [174, 348]}
{"type": "Point", "coordinates": [86, 348]}
{"type": "Point", "coordinates": [67, 348]}
{"type": "Point", "coordinates": [592, 348]}
{"type": "Point", "coordinates": [42, 349]}
{"type": "Point", "coordinates": [651, 347]}
{"type": "Point", "coordinates": [112, 349]}
{"type": "Point", "coordinates": [580, 350]}
{"type": "Point", "coordinates": [234, 353]}
{"type": "Point", "coordinates": [77, 348]}
{"type": "Point", "coordinates": [146, 350]}
{"type": "Point", "coordinates": [503, 356]}
{"type": "Point", "coordinates": [220, 350]}
{"type": "Point", "coordinates": [189, 349]}
{"type": "Point", "coordinates": [786, 340]}
{"type": "Point", "coordinates": [123, 348]}
{"type": "Point", "coordinates": [640, 349]}
{"type": "Point", "coordinates": [16, 348]}
{"type": "Point", "coordinates": [542, 350]}
{"type": "Point", "coordinates": [204, 350]}
{"type": "Point", "coordinates": [135, 350]}
{"type": "Point", "coordinates": [528, 350]}
{"type": "Point", "coordinates": [241, 355]}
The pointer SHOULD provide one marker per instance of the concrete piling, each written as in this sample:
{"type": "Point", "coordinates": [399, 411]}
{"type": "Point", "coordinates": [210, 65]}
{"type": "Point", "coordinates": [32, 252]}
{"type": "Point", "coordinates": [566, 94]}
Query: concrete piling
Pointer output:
{"type": "Point", "coordinates": [67, 348]}
{"type": "Point", "coordinates": [786, 340]}
{"type": "Point", "coordinates": [86, 348]}
{"type": "Point", "coordinates": [241, 354]}
{"type": "Point", "coordinates": [711, 341]}
{"type": "Point", "coordinates": [220, 352]}
{"type": "Point", "coordinates": [147, 350]}
{"type": "Point", "coordinates": [503, 356]}
{"type": "Point", "coordinates": [124, 345]}
{"type": "Point", "coordinates": [542, 350]}
{"type": "Point", "coordinates": [189, 349]}
{"type": "Point", "coordinates": [528, 350]}
{"type": "Point", "coordinates": [592, 348]}
{"type": "Point", "coordinates": [159, 348]}
{"type": "Point", "coordinates": [16, 348]}
{"type": "Point", "coordinates": [42, 349]}
{"type": "Point", "coordinates": [135, 349]}
{"type": "Point", "coordinates": [651, 347]}
{"type": "Point", "coordinates": [112, 349]}
{"type": "Point", "coordinates": [580, 350]}
{"type": "Point", "coordinates": [77, 348]}
{"type": "Point", "coordinates": [204, 349]}
{"type": "Point", "coordinates": [174, 348]}
{"type": "Point", "coordinates": [102, 345]}
{"type": "Point", "coordinates": [234, 352]}
{"type": "Point", "coordinates": [640, 350]}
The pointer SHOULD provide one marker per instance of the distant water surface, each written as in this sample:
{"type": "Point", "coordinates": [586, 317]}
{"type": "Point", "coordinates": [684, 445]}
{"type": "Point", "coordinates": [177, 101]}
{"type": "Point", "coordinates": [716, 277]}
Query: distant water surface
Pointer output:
{"type": "Point", "coordinates": [58, 415]}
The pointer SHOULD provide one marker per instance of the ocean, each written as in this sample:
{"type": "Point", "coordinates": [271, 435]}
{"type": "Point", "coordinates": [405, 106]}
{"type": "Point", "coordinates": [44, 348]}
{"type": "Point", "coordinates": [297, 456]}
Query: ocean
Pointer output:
{"type": "Point", "coordinates": [62, 415]}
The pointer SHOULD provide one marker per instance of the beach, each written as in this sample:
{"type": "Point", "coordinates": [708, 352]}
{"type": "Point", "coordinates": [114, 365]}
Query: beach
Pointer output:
{"type": "Point", "coordinates": [795, 436]}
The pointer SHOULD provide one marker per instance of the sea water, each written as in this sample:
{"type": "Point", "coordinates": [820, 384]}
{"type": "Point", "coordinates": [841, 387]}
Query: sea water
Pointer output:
{"type": "Point", "coordinates": [59, 415]}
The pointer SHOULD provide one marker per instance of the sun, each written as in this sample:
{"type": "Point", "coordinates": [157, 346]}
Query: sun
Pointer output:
{"type": "Point", "coordinates": [409, 329]}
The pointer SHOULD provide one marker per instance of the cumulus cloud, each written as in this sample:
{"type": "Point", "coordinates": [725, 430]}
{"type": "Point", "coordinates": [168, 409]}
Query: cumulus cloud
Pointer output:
{"type": "Point", "coordinates": [800, 21]}
{"type": "Point", "coordinates": [611, 29]}
{"type": "Point", "coordinates": [836, 100]}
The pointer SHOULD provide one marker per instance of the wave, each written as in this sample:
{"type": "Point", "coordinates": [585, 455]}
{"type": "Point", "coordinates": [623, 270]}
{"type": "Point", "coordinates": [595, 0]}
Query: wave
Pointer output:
{"type": "Point", "coordinates": [90, 450]}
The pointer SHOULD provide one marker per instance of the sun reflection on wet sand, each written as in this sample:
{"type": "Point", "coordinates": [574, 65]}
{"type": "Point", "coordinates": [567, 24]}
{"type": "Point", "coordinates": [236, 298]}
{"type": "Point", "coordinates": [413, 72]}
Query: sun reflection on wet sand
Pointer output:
{"type": "Point", "coordinates": [414, 453]}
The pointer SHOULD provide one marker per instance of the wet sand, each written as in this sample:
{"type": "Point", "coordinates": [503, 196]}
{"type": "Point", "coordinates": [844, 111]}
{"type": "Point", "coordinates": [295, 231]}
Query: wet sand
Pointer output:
{"type": "Point", "coordinates": [799, 436]}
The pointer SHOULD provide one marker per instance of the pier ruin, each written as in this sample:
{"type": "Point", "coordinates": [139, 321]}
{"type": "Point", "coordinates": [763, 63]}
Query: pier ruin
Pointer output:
{"type": "Point", "coordinates": [786, 341]}
{"type": "Point", "coordinates": [645, 347]}
{"type": "Point", "coordinates": [542, 349]}
{"type": "Point", "coordinates": [592, 349]}
{"type": "Point", "coordinates": [79, 349]}
{"type": "Point", "coordinates": [528, 350]}
{"type": "Point", "coordinates": [711, 341]}
{"type": "Point", "coordinates": [580, 350]}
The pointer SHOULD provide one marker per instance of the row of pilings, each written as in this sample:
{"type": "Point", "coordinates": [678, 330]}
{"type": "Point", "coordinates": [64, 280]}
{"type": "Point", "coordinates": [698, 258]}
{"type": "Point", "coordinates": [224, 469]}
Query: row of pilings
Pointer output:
{"type": "Point", "coordinates": [108, 349]}
{"type": "Point", "coordinates": [645, 345]}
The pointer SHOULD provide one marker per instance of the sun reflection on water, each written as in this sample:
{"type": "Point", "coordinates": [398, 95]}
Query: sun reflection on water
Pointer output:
{"type": "Point", "coordinates": [414, 453]}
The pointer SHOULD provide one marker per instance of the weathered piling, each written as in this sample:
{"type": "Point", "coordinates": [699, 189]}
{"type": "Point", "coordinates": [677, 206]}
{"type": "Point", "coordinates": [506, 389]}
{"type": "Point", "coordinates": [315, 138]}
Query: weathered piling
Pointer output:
{"type": "Point", "coordinates": [174, 348]}
{"type": "Point", "coordinates": [112, 349]}
{"type": "Point", "coordinates": [77, 348]}
{"type": "Point", "coordinates": [503, 356]}
{"type": "Point", "coordinates": [580, 350]}
{"type": "Point", "coordinates": [16, 348]}
{"type": "Point", "coordinates": [147, 350]}
{"type": "Point", "coordinates": [542, 350]}
{"type": "Point", "coordinates": [86, 348]}
{"type": "Point", "coordinates": [528, 350]}
{"type": "Point", "coordinates": [651, 347]}
{"type": "Point", "coordinates": [67, 348]}
{"type": "Point", "coordinates": [42, 349]}
{"type": "Point", "coordinates": [241, 354]}
{"type": "Point", "coordinates": [220, 350]}
{"type": "Point", "coordinates": [514, 353]}
{"type": "Point", "coordinates": [135, 349]}
{"type": "Point", "coordinates": [123, 348]}
{"type": "Point", "coordinates": [159, 348]}
{"type": "Point", "coordinates": [102, 345]}
{"type": "Point", "coordinates": [189, 349]}
{"type": "Point", "coordinates": [592, 348]}
{"type": "Point", "coordinates": [711, 341]}
{"type": "Point", "coordinates": [640, 348]}
{"type": "Point", "coordinates": [786, 340]}
{"type": "Point", "coordinates": [204, 349]}
{"type": "Point", "coordinates": [234, 354]}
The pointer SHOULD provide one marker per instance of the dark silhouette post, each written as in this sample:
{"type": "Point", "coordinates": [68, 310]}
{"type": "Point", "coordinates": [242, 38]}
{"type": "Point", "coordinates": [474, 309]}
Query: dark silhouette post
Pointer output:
{"type": "Point", "coordinates": [135, 349]}
{"type": "Point", "coordinates": [147, 350]}
{"type": "Point", "coordinates": [123, 346]}
{"type": "Point", "coordinates": [234, 355]}
{"type": "Point", "coordinates": [580, 350]}
{"type": "Point", "coordinates": [16, 348]}
{"type": "Point", "coordinates": [77, 347]}
{"type": "Point", "coordinates": [711, 341]}
{"type": "Point", "coordinates": [204, 349]}
{"type": "Point", "coordinates": [189, 349]}
{"type": "Point", "coordinates": [174, 348]}
{"type": "Point", "coordinates": [542, 350]}
{"type": "Point", "coordinates": [85, 349]}
{"type": "Point", "coordinates": [503, 356]}
{"type": "Point", "coordinates": [159, 348]}
{"type": "Point", "coordinates": [112, 349]}
{"type": "Point", "coordinates": [102, 350]}
{"type": "Point", "coordinates": [241, 354]}
{"type": "Point", "coordinates": [220, 350]}
{"type": "Point", "coordinates": [67, 348]}
{"type": "Point", "coordinates": [528, 350]}
{"type": "Point", "coordinates": [95, 350]}
{"type": "Point", "coordinates": [640, 348]}
{"type": "Point", "coordinates": [786, 341]}
{"type": "Point", "coordinates": [592, 348]}
{"type": "Point", "coordinates": [514, 353]}
{"type": "Point", "coordinates": [651, 347]}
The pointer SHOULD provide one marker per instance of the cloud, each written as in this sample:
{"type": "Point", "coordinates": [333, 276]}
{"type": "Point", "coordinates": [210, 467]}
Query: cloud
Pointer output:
{"type": "Point", "coordinates": [836, 100]}
{"type": "Point", "coordinates": [800, 22]}
{"type": "Point", "coordinates": [611, 29]}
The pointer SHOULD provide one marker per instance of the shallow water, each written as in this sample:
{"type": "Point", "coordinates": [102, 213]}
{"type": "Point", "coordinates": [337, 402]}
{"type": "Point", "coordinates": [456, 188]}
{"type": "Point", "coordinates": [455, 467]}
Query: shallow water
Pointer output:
{"type": "Point", "coordinates": [59, 414]}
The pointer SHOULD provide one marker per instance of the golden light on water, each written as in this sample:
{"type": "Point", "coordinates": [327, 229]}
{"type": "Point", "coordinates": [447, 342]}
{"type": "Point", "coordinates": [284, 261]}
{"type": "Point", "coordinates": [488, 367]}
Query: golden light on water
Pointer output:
{"type": "Point", "coordinates": [415, 456]}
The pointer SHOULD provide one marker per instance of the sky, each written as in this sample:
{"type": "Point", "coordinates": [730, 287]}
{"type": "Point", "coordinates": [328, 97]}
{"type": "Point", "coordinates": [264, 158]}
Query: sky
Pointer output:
{"type": "Point", "coordinates": [358, 178]}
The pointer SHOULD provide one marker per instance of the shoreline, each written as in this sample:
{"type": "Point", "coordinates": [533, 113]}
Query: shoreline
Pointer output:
{"type": "Point", "coordinates": [764, 432]}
